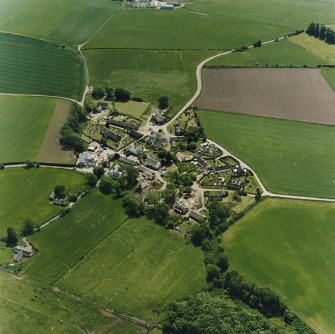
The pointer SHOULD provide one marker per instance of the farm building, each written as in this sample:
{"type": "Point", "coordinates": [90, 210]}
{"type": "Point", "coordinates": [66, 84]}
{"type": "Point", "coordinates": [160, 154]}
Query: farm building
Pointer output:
{"type": "Point", "coordinates": [156, 139]}
{"type": "Point", "coordinates": [86, 160]}
{"type": "Point", "coordinates": [26, 251]}
{"type": "Point", "coordinates": [109, 134]}
{"type": "Point", "coordinates": [134, 134]}
{"type": "Point", "coordinates": [198, 217]}
{"type": "Point", "coordinates": [180, 208]}
{"type": "Point", "coordinates": [132, 150]}
{"type": "Point", "coordinates": [222, 169]}
{"type": "Point", "coordinates": [102, 106]}
{"type": "Point", "coordinates": [128, 161]}
{"type": "Point", "coordinates": [144, 169]}
{"type": "Point", "coordinates": [123, 125]}
{"type": "Point", "coordinates": [201, 163]}
{"type": "Point", "coordinates": [152, 163]}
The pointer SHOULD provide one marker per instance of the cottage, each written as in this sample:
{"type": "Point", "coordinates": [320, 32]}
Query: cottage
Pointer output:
{"type": "Point", "coordinates": [159, 119]}
{"type": "Point", "coordinates": [156, 139]}
{"type": "Point", "coordinates": [59, 202]}
{"type": "Point", "coordinates": [124, 125]}
{"type": "Point", "coordinates": [236, 183]}
{"type": "Point", "coordinates": [145, 170]}
{"type": "Point", "coordinates": [26, 251]}
{"type": "Point", "coordinates": [109, 134]}
{"type": "Point", "coordinates": [180, 208]}
{"type": "Point", "coordinates": [102, 106]}
{"type": "Point", "coordinates": [196, 216]}
{"type": "Point", "coordinates": [129, 161]}
{"type": "Point", "coordinates": [201, 163]}
{"type": "Point", "coordinates": [115, 170]}
{"type": "Point", "coordinates": [222, 169]}
{"type": "Point", "coordinates": [86, 160]}
{"type": "Point", "coordinates": [134, 134]}
{"type": "Point", "coordinates": [132, 150]}
{"type": "Point", "coordinates": [152, 163]}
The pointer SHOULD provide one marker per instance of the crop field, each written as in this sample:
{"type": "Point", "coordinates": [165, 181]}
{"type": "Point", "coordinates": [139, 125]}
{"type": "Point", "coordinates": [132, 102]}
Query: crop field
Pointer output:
{"type": "Point", "coordinates": [293, 94]}
{"type": "Point", "coordinates": [138, 269]}
{"type": "Point", "coordinates": [35, 67]}
{"type": "Point", "coordinates": [29, 190]}
{"type": "Point", "coordinates": [51, 150]}
{"type": "Point", "coordinates": [200, 25]}
{"type": "Point", "coordinates": [289, 246]}
{"type": "Point", "coordinates": [132, 108]}
{"type": "Point", "coordinates": [23, 124]}
{"type": "Point", "coordinates": [58, 21]}
{"type": "Point", "coordinates": [282, 53]}
{"type": "Point", "coordinates": [147, 74]}
{"type": "Point", "coordinates": [289, 157]}
{"type": "Point", "coordinates": [26, 308]}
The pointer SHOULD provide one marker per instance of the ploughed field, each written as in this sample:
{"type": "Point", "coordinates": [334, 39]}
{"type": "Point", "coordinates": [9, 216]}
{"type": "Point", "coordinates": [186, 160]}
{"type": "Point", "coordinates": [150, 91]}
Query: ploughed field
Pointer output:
{"type": "Point", "coordinates": [294, 94]}
{"type": "Point", "coordinates": [289, 246]}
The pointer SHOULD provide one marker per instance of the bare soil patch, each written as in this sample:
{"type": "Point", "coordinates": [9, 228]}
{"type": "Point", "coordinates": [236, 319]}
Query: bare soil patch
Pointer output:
{"type": "Point", "coordinates": [295, 94]}
{"type": "Point", "coordinates": [50, 150]}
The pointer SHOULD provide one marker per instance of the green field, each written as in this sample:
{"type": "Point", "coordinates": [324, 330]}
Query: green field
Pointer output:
{"type": "Point", "coordinates": [329, 74]}
{"type": "Point", "coordinates": [132, 108]}
{"type": "Point", "coordinates": [289, 157]}
{"type": "Point", "coordinates": [215, 24]}
{"type": "Point", "coordinates": [26, 308]}
{"type": "Point", "coordinates": [147, 74]}
{"type": "Point", "coordinates": [30, 66]}
{"type": "Point", "coordinates": [282, 53]}
{"type": "Point", "coordinates": [23, 124]}
{"type": "Point", "coordinates": [24, 194]}
{"type": "Point", "coordinates": [289, 246]}
{"type": "Point", "coordinates": [70, 22]}
{"type": "Point", "coordinates": [132, 266]}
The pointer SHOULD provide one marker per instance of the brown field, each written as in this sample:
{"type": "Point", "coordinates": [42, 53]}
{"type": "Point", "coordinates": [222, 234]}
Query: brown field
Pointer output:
{"type": "Point", "coordinates": [295, 94]}
{"type": "Point", "coordinates": [50, 150]}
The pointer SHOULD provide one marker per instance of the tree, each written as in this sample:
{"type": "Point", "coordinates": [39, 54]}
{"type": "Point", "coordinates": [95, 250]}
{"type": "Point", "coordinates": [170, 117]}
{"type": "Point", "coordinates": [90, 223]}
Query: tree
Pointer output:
{"type": "Point", "coordinates": [109, 186]}
{"type": "Point", "coordinates": [59, 191]}
{"type": "Point", "coordinates": [72, 141]}
{"type": "Point", "coordinates": [222, 262]}
{"type": "Point", "coordinates": [257, 44]}
{"type": "Point", "coordinates": [213, 272]}
{"type": "Point", "coordinates": [160, 213]}
{"type": "Point", "coordinates": [122, 95]}
{"type": "Point", "coordinates": [199, 234]}
{"type": "Point", "coordinates": [92, 180]}
{"type": "Point", "coordinates": [11, 238]}
{"type": "Point", "coordinates": [99, 171]}
{"type": "Point", "coordinates": [191, 146]}
{"type": "Point", "coordinates": [322, 34]}
{"type": "Point", "coordinates": [28, 227]}
{"type": "Point", "coordinates": [29, 164]}
{"type": "Point", "coordinates": [110, 94]}
{"type": "Point", "coordinates": [218, 213]}
{"type": "Point", "coordinates": [169, 195]}
{"type": "Point", "coordinates": [98, 93]}
{"type": "Point", "coordinates": [163, 102]}
{"type": "Point", "coordinates": [131, 176]}
{"type": "Point", "coordinates": [73, 198]}
{"type": "Point", "coordinates": [134, 207]}
{"type": "Point", "coordinates": [311, 29]}
{"type": "Point", "coordinates": [258, 195]}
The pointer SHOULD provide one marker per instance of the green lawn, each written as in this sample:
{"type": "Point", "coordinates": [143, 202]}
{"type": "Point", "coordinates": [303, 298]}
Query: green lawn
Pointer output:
{"type": "Point", "coordinates": [282, 53]}
{"type": "Point", "coordinates": [138, 269]}
{"type": "Point", "coordinates": [289, 246]}
{"type": "Point", "coordinates": [24, 194]}
{"type": "Point", "coordinates": [26, 308]}
{"type": "Point", "coordinates": [70, 22]}
{"type": "Point", "coordinates": [290, 157]}
{"type": "Point", "coordinates": [132, 108]}
{"type": "Point", "coordinates": [216, 24]}
{"type": "Point", "coordinates": [147, 74]}
{"type": "Point", "coordinates": [30, 66]}
{"type": "Point", "coordinates": [23, 124]}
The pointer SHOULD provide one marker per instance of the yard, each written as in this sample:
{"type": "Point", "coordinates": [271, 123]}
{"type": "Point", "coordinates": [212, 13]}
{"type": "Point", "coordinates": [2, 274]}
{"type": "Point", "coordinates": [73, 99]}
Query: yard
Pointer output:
{"type": "Point", "coordinates": [278, 150]}
{"type": "Point", "coordinates": [288, 246]}
{"type": "Point", "coordinates": [37, 67]}
{"type": "Point", "coordinates": [24, 194]}
{"type": "Point", "coordinates": [132, 108]}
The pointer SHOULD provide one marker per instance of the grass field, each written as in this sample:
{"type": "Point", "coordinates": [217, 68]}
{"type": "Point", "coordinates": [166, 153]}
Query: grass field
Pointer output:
{"type": "Point", "coordinates": [26, 308]}
{"type": "Point", "coordinates": [329, 74]}
{"type": "Point", "coordinates": [289, 246]}
{"type": "Point", "coordinates": [138, 269]}
{"type": "Point", "coordinates": [132, 108]}
{"type": "Point", "coordinates": [140, 265]}
{"type": "Point", "coordinates": [282, 53]}
{"type": "Point", "coordinates": [147, 74]}
{"type": "Point", "coordinates": [290, 157]}
{"type": "Point", "coordinates": [56, 21]}
{"type": "Point", "coordinates": [23, 125]}
{"type": "Point", "coordinates": [24, 194]}
{"type": "Point", "coordinates": [35, 67]}
{"type": "Point", "coordinates": [201, 24]}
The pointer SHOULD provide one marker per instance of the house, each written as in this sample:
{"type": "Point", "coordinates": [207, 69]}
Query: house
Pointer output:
{"type": "Point", "coordinates": [26, 251]}
{"type": "Point", "coordinates": [159, 119]}
{"type": "Point", "coordinates": [167, 7]}
{"type": "Point", "coordinates": [128, 161]}
{"type": "Point", "coordinates": [236, 183]}
{"type": "Point", "coordinates": [180, 208]}
{"type": "Point", "coordinates": [123, 125]}
{"type": "Point", "coordinates": [132, 150]}
{"type": "Point", "coordinates": [222, 169]}
{"type": "Point", "coordinates": [59, 202]}
{"type": "Point", "coordinates": [115, 170]}
{"type": "Point", "coordinates": [52, 196]}
{"type": "Point", "coordinates": [152, 163]}
{"type": "Point", "coordinates": [102, 106]}
{"type": "Point", "coordinates": [86, 160]}
{"type": "Point", "coordinates": [156, 139]}
{"type": "Point", "coordinates": [145, 170]}
{"type": "Point", "coordinates": [109, 134]}
{"type": "Point", "coordinates": [198, 217]}
{"type": "Point", "coordinates": [201, 163]}
{"type": "Point", "coordinates": [134, 134]}
{"type": "Point", "coordinates": [18, 256]}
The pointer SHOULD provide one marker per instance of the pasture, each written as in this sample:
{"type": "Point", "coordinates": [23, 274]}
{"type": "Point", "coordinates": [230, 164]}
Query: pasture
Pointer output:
{"type": "Point", "coordinates": [147, 74]}
{"type": "Point", "coordinates": [23, 124]}
{"type": "Point", "coordinates": [289, 246]}
{"type": "Point", "coordinates": [293, 94]}
{"type": "Point", "coordinates": [31, 66]}
{"type": "Point", "coordinates": [27, 308]}
{"type": "Point", "coordinates": [138, 269]}
{"type": "Point", "coordinates": [24, 194]}
{"type": "Point", "coordinates": [290, 157]}
{"type": "Point", "coordinates": [218, 24]}
{"type": "Point", "coordinates": [282, 53]}
{"type": "Point", "coordinates": [58, 21]}
{"type": "Point", "coordinates": [329, 74]}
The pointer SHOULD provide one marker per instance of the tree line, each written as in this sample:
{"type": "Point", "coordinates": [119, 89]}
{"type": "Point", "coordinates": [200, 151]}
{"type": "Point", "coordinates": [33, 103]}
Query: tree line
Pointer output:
{"type": "Point", "coordinates": [322, 32]}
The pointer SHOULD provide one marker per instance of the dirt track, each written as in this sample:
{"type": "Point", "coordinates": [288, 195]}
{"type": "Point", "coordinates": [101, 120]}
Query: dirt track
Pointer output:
{"type": "Point", "coordinates": [296, 94]}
